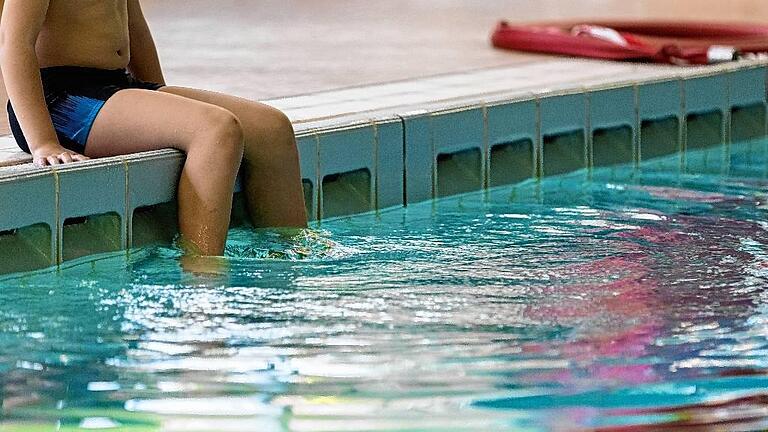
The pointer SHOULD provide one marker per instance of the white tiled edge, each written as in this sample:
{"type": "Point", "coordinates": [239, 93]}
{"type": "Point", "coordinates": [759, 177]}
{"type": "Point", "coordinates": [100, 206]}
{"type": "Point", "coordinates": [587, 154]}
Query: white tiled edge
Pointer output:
{"type": "Point", "coordinates": [358, 104]}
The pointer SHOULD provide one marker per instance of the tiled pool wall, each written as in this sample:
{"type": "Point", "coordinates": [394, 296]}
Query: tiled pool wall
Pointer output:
{"type": "Point", "coordinates": [63, 215]}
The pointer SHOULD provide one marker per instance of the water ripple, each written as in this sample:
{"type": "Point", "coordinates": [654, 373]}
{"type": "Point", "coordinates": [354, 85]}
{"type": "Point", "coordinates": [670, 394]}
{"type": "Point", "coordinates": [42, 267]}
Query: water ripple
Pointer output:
{"type": "Point", "coordinates": [609, 305]}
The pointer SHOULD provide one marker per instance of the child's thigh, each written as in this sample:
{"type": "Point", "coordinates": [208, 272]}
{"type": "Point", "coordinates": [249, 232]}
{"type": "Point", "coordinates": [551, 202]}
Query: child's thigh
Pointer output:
{"type": "Point", "coordinates": [135, 120]}
{"type": "Point", "coordinates": [256, 117]}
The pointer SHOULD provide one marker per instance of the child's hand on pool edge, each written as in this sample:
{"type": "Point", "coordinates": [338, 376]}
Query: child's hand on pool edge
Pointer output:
{"type": "Point", "coordinates": [54, 154]}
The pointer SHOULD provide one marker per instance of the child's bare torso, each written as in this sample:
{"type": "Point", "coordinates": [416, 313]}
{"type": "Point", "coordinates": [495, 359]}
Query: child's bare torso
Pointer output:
{"type": "Point", "coordinates": [91, 33]}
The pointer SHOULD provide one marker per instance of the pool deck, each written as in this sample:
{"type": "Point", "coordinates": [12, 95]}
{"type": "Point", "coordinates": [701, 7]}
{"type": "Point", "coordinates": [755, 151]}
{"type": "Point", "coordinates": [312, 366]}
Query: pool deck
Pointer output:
{"type": "Point", "coordinates": [534, 78]}
{"type": "Point", "coordinates": [278, 48]}
{"type": "Point", "coordinates": [383, 130]}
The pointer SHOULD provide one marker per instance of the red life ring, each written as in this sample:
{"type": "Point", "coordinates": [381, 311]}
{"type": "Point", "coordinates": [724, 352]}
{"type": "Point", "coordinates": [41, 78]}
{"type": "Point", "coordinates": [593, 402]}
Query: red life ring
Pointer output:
{"type": "Point", "coordinates": [688, 43]}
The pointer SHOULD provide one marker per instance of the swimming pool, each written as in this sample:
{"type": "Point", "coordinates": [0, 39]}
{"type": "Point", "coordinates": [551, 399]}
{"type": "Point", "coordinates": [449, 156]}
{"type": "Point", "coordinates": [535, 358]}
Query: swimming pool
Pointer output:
{"type": "Point", "coordinates": [612, 300]}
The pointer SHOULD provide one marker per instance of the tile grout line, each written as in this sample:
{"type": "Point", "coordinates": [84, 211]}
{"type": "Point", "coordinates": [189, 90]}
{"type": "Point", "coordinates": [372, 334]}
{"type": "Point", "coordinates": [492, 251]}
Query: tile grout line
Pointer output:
{"type": "Point", "coordinates": [638, 135]}
{"type": "Point", "coordinates": [318, 180]}
{"type": "Point", "coordinates": [57, 218]}
{"type": "Point", "coordinates": [128, 217]}
{"type": "Point", "coordinates": [539, 144]}
{"type": "Point", "coordinates": [683, 129]}
{"type": "Point", "coordinates": [765, 103]}
{"type": "Point", "coordinates": [433, 155]}
{"type": "Point", "coordinates": [404, 174]}
{"type": "Point", "coordinates": [376, 179]}
{"type": "Point", "coordinates": [727, 122]}
{"type": "Point", "coordinates": [486, 148]}
{"type": "Point", "coordinates": [589, 133]}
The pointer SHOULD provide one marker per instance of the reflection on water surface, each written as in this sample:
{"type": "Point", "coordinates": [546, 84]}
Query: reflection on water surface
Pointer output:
{"type": "Point", "coordinates": [631, 301]}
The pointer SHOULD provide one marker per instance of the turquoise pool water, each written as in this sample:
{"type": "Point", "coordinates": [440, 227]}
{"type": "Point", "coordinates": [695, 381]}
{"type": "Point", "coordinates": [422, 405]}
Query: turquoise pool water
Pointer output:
{"type": "Point", "coordinates": [631, 300]}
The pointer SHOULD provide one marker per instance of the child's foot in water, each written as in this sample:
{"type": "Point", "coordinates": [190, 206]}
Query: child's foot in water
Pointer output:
{"type": "Point", "coordinates": [280, 244]}
{"type": "Point", "coordinates": [204, 265]}
{"type": "Point", "coordinates": [192, 261]}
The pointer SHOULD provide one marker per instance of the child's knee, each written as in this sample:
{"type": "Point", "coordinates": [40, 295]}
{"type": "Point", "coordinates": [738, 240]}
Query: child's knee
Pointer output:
{"type": "Point", "coordinates": [226, 126]}
{"type": "Point", "coordinates": [222, 132]}
{"type": "Point", "coordinates": [279, 124]}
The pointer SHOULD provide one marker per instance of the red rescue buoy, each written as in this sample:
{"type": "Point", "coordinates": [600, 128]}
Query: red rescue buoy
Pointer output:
{"type": "Point", "coordinates": [681, 43]}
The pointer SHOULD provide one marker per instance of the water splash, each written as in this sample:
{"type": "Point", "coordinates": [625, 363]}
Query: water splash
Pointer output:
{"type": "Point", "coordinates": [284, 244]}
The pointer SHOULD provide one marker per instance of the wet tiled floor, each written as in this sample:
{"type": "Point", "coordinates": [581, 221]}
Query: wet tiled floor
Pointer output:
{"type": "Point", "coordinates": [276, 48]}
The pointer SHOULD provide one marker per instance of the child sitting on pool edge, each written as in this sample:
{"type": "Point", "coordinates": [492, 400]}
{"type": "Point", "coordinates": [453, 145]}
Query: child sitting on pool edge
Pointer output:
{"type": "Point", "coordinates": [84, 81]}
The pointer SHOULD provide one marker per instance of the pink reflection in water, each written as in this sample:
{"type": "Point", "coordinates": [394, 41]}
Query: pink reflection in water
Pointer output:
{"type": "Point", "coordinates": [677, 194]}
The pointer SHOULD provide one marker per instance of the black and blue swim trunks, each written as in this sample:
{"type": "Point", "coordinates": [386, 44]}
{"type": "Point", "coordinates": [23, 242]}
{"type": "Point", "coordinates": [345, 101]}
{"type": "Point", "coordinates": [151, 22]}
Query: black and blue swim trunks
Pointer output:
{"type": "Point", "coordinates": [74, 95]}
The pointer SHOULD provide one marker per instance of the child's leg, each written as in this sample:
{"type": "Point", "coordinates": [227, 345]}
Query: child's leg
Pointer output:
{"type": "Point", "coordinates": [140, 120]}
{"type": "Point", "coordinates": [272, 177]}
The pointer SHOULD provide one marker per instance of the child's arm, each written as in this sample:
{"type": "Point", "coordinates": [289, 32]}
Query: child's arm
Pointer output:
{"type": "Point", "coordinates": [20, 25]}
{"type": "Point", "coordinates": [144, 64]}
